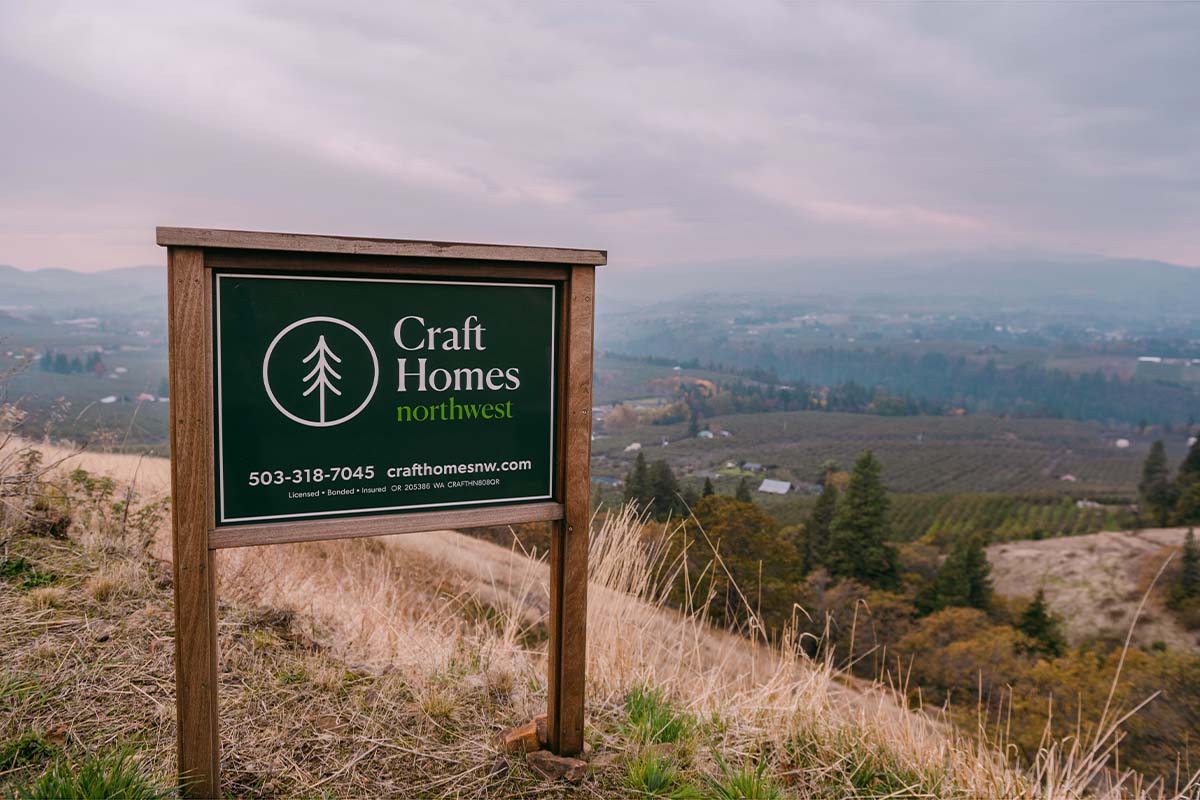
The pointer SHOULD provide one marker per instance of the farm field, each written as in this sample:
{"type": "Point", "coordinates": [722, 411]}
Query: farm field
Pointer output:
{"type": "Point", "coordinates": [617, 378]}
{"type": "Point", "coordinates": [135, 363]}
{"type": "Point", "coordinates": [919, 454]}
{"type": "Point", "coordinates": [938, 519]}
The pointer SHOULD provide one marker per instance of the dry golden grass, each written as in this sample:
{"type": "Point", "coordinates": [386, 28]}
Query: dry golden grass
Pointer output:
{"type": "Point", "coordinates": [381, 667]}
{"type": "Point", "coordinates": [46, 597]}
{"type": "Point", "coordinates": [1095, 582]}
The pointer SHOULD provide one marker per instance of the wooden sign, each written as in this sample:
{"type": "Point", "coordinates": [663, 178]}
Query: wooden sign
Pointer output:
{"type": "Point", "coordinates": [329, 387]}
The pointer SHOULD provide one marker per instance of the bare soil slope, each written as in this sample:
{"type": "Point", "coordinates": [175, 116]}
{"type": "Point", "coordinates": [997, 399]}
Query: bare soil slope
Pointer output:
{"type": "Point", "coordinates": [1095, 582]}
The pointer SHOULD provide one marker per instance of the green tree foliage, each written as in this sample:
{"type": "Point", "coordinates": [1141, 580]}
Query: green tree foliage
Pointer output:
{"type": "Point", "coordinates": [654, 488]}
{"type": "Point", "coordinates": [837, 379]}
{"type": "Point", "coordinates": [1187, 488]}
{"type": "Point", "coordinates": [708, 491]}
{"type": "Point", "coordinates": [1042, 628]}
{"type": "Point", "coordinates": [743, 493]}
{"type": "Point", "coordinates": [964, 578]}
{"type": "Point", "coordinates": [1187, 507]}
{"type": "Point", "coordinates": [690, 498]}
{"type": "Point", "coordinates": [1155, 487]}
{"type": "Point", "coordinates": [983, 667]}
{"type": "Point", "coordinates": [754, 555]}
{"type": "Point", "coordinates": [664, 497]}
{"type": "Point", "coordinates": [957, 653]}
{"type": "Point", "coordinates": [637, 482]}
{"type": "Point", "coordinates": [815, 545]}
{"type": "Point", "coordinates": [827, 468]}
{"type": "Point", "coordinates": [1185, 589]}
{"type": "Point", "coordinates": [1189, 470]}
{"type": "Point", "coordinates": [857, 544]}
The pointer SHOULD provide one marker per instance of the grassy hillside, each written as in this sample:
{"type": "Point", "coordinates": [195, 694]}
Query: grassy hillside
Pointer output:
{"type": "Point", "coordinates": [385, 666]}
{"type": "Point", "coordinates": [1096, 583]}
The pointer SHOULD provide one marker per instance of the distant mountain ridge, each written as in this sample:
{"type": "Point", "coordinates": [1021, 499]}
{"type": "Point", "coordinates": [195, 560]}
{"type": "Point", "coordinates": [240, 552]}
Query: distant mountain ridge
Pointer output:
{"type": "Point", "coordinates": [139, 291]}
{"type": "Point", "coordinates": [1078, 285]}
{"type": "Point", "coordinates": [1074, 284]}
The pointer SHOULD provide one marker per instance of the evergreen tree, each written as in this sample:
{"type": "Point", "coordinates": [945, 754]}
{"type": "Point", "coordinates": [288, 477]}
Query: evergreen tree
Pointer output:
{"type": "Point", "coordinates": [637, 483]}
{"type": "Point", "coordinates": [1189, 470]}
{"type": "Point", "coordinates": [743, 495]}
{"type": "Point", "coordinates": [47, 362]}
{"type": "Point", "coordinates": [964, 578]}
{"type": "Point", "coordinates": [708, 491]}
{"type": "Point", "coordinates": [663, 490]}
{"type": "Point", "coordinates": [1187, 585]}
{"type": "Point", "coordinates": [1039, 625]}
{"type": "Point", "coordinates": [1155, 488]}
{"type": "Point", "coordinates": [815, 548]}
{"type": "Point", "coordinates": [1187, 507]}
{"type": "Point", "coordinates": [858, 545]}
{"type": "Point", "coordinates": [690, 498]}
{"type": "Point", "coordinates": [62, 365]}
{"type": "Point", "coordinates": [1187, 488]}
{"type": "Point", "coordinates": [827, 468]}
{"type": "Point", "coordinates": [164, 388]}
{"type": "Point", "coordinates": [76, 364]}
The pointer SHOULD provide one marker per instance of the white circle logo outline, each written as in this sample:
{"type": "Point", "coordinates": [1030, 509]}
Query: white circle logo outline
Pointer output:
{"type": "Point", "coordinates": [301, 420]}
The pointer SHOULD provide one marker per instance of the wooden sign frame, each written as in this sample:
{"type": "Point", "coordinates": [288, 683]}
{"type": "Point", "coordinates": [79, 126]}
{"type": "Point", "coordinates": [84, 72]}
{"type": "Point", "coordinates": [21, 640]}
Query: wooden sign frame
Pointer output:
{"type": "Point", "coordinates": [192, 255]}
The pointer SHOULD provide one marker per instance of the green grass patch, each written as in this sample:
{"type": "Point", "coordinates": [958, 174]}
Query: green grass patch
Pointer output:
{"type": "Point", "coordinates": [748, 782]}
{"type": "Point", "coordinates": [28, 748]}
{"type": "Point", "coordinates": [23, 574]}
{"type": "Point", "coordinates": [291, 677]}
{"type": "Point", "coordinates": [868, 770]}
{"type": "Point", "coordinates": [651, 719]}
{"type": "Point", "coordinates": [115, 776]}
{"type": "Point", "coordinates": [652, 775]}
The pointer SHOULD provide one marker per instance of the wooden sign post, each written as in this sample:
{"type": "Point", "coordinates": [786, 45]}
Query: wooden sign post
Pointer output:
{"type": "Point", "coordinates": [328, 387]}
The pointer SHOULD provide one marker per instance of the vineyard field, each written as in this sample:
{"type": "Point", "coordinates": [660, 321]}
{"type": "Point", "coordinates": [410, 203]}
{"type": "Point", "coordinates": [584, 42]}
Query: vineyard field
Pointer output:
{"type": "Point", "coordinates": [920, 454]}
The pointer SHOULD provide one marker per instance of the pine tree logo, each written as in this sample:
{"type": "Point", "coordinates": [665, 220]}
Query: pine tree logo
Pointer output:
{"type": "Point", "coordinates": [320, 389]}
{"type": "Point", "coordinates": [321, 372]}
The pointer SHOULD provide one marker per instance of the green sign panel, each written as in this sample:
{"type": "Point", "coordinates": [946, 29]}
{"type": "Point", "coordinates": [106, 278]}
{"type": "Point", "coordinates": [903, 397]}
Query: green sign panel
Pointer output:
{"type": "Point", "coordinates": [338, 396]}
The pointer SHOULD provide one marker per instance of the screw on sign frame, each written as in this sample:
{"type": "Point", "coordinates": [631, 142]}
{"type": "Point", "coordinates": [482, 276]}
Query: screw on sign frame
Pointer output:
{"type": "Point", "coordinates": [192, 256]}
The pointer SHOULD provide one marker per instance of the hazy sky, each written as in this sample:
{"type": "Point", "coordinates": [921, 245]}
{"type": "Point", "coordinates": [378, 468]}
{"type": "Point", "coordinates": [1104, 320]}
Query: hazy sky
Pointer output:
{"type": "Point", "coordinates": [664, 132]}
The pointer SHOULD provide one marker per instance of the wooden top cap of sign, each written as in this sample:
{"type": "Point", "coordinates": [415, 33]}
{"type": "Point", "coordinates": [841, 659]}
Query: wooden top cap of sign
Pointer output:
{"type": "Point", "coordinates": [354, 245]}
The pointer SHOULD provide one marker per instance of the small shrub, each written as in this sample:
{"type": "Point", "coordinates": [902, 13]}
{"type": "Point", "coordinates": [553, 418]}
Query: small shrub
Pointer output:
{"type": "Point", "coordinates": [47, 521]}
{"type": "Point", "coordinates": [1188, 613]}
{"type": "Point", "coordinates": [651, 719]}
{"type": "Point", "coordinates": [112, 518]}
{"type": "Point", "coordinates": [114, 776]}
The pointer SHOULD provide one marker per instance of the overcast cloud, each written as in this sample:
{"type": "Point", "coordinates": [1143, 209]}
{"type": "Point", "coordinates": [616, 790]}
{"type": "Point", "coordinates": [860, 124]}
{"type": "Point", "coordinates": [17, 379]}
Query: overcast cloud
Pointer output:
{"type": "Point", "coordinates": [665, 132]}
